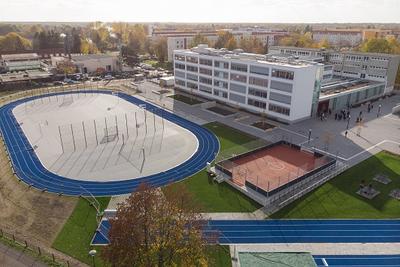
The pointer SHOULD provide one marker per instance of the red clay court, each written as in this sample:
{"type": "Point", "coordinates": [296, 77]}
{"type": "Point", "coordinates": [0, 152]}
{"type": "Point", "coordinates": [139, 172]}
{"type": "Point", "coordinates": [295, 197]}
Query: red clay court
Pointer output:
{"type": "Point", "coordinates": [273, 167]}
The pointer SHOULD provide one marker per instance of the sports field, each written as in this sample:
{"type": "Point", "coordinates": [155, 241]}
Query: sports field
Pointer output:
{"type": "Point", "coordinates": [29, 168]}
{"type": "Point", "coordinates": [102, 137]}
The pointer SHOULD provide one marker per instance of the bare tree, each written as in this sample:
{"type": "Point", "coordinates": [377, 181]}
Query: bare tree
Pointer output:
{"type": "Point", "coordinates": [152, 228]}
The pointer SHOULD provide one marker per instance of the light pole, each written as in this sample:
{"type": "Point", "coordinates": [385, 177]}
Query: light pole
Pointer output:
{"type": "Point", "coordinates": [92, 253]}
{"type": "Point", "coordinates": [348, 122]}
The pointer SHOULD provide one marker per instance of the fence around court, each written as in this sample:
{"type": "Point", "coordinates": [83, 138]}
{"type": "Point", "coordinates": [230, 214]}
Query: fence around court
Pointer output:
{"type": "Point", "coordinates": [242, 175]}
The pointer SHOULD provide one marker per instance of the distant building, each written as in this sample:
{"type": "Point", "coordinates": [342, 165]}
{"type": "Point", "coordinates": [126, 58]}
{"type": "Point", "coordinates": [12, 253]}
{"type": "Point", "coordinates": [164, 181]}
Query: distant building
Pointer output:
{"type": "Point", "coordinates": [183, 39]}
{"type": "Point", "coordinates": [95, 62]}
{"type": "Point", "coordinates": [22, 69]}
{"type": "Point", "coordinates": [376, 67]}
{"type": "Point", "coordinates": [339, 37]}
{"type": "Point", "coordinates": [376, 33]}
{"type": "Point", "coordinates": [19, 62]}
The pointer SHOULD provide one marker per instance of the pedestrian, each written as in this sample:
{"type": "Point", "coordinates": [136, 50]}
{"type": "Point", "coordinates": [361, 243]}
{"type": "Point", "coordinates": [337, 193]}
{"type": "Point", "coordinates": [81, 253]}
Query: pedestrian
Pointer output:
{"type": "Point", "coordinates": [336, 116]}
{"type": "Point", "coordinates": [345, 134]}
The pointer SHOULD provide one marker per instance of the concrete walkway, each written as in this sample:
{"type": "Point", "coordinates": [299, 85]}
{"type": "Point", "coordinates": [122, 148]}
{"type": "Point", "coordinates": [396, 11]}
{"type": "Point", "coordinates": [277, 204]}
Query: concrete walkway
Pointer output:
{"type": "Point", "coordinates": [256, 215]}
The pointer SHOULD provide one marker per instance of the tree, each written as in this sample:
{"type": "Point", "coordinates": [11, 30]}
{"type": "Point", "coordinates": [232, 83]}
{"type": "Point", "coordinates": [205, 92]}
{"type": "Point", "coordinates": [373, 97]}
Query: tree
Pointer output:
{"type": "Point", "coordinates": [298, 40]}
{"type": "Point", "coordinates": [88, 47]}
{"type": "Point", "coordinates": [223, 38]}
{"type": "Point", "coordinates": [66, 67]}
{"type": "Point", "coordinates": [199, 39]}
{"type": "Point", "coordinates": [161, 49]}
{"type": "Point", "coordinates": [155, 229]}
{"type": "Point", "coordinates": [14, 42]}
{"type": "Point", "coordinates": [231, 44]}
{"type": "Point", "coordinates": [376, 45]}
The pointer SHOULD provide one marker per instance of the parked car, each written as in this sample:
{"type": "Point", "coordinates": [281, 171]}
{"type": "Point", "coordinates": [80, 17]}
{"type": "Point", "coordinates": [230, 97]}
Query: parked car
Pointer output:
{"type": "Point", "coordinates": [95, 79]}
{"type": "Point", "coordinates": [59, 83]}
{"type": "Point", "coordinates": [108, 77]}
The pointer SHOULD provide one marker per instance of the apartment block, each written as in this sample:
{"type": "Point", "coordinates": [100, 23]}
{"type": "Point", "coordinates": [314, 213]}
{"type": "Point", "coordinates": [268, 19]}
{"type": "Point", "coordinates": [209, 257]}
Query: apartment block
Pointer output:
{"type": "Point", "coordinates": [339, 37]}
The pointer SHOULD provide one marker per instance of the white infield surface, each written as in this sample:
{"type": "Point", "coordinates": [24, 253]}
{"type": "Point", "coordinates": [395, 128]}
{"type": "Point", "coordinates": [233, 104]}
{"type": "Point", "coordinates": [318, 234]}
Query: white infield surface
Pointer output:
{"type": "Point", "coordinates": [100, 137]}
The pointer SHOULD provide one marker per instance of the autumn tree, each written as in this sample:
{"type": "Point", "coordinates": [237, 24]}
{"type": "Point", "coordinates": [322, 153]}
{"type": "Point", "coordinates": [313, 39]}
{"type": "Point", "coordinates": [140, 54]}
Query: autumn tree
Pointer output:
{"type": "Point", "coordinates": [225, 39]}
{"type": "Point", "coordinates": [66, 67]}
{"type": "Point", "coordinates": [88, 47]}
{"type": "Point", "coordinates": [252, 45]}
{"type": "Point", "coordinates": [14, 42]}
{"type": "Point", "coordinates": [199, 39]}
{"type": "Point", "coordinates": [161, 49]}
{"type": "Point", "coordinates": [155, 228]}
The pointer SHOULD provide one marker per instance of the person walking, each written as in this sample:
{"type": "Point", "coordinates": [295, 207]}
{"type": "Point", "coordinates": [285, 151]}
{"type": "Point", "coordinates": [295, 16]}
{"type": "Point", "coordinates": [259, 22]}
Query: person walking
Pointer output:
{"type": "Point", "coordinates": [345, 133]}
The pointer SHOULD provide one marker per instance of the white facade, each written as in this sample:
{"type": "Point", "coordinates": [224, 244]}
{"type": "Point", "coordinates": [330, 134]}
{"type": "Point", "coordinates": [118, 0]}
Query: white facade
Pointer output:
{"type": "Point", "coordinates": [91, 63]}
{"type": "Point", "coordinates": [339, 37]}
{"type": "Point", "coordinates": [376, 67]}
{"type": "Point", "coordinates": [286, 90]}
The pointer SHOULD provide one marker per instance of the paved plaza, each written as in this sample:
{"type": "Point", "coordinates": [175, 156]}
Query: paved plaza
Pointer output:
{"type": "Point", "coordinates": [379, 130]}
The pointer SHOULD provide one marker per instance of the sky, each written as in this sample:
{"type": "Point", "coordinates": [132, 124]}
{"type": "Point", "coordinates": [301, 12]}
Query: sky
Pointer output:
{"type": "Point", "coordinates": [268, 11]}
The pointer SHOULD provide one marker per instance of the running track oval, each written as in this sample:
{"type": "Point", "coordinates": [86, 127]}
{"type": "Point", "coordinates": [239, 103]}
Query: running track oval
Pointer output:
{"type": "Point", "coordinates": [29, 169]}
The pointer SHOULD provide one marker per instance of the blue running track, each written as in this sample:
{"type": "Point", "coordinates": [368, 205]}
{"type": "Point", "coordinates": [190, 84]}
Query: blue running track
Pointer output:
{"type": "Point", "coordinates": [29, 169]}
{"type": "Point", "coordinates": [292, 231]}
{"type": "Point", "coordinates": [357, 260]}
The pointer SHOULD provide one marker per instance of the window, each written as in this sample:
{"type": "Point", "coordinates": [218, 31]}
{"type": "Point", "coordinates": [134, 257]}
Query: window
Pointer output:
{"type": "Point", "coordinates": [258, 81]}
{"type": "Point", "coordinates": [221, 64]}
{"type": "Point", "coordinates": [259, 70]}
{"type": "Point", "coordinates": [239, 67]}
{"type": "Point", "coordinates": [238, 88]}
{"type": "Point", "coordinates": [279, 109]}
{"type": "Point", "coordinates": [180, 74]}
{"type": "Point", "coordinates": [238, 78]}
{"type": "Point", "coordinates": [205, 71]}
{"type": "Point", "coordinates": [283, 74]}
{"type": "Point", "coordinates": [280, 98]}
{"type": "Point", "coordinates": [204, 61]}
{"type": "Point", "coordinates": [257, 92]}
{"type": "Point", "coordinates": [180, 66]}
{"type": "Point", "coordinates": [192, 59]}
{"type": "Point", "coordinates": [282, 86]}
{"type": "Point", "coordinates": [192, 77]}
{"type": "Point", "coordinates": [180, 82]}
{"type": "Point", "coordinates": [237, 98]}
{"type": "Point", "coordinates": [179, 57]}
{"type": "Point", "coordinates": [205, 80]}
{"type": "Point", "coordinates": [192, 85]}
{"type": "Point", "coordinates": [205, 89]}
{"type": "Point", "coordinates": [256, 103]}
{"type": "Point", "coordinates": [221, 84]}
{"type": "Point", "coordinates": [191, 68]}
{"type": "Point", "coordinates": [221, 74]}
{"type": "Point", "coordinates": [220, 93]}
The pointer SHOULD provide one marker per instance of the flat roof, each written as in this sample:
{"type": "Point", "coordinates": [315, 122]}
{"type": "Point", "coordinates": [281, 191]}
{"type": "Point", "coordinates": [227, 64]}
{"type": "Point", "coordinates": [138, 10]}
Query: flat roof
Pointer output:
{"type": "Point", "coordinates": [23, 56]}
{"type": "Point", "coordinates": [238, 54]}
{"type": "Point", "coordinates": [344, 85]}
{"type": "Point", "coordinates": [24, 76]}
{"type": "Point", "coordinates": [91, 56]}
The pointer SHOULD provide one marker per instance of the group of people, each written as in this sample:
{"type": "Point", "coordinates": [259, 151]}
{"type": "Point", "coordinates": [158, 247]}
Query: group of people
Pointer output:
{"type": "Point", "coordinates": [343, 114]}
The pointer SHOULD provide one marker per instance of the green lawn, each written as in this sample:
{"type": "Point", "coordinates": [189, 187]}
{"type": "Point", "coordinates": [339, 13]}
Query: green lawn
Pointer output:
{"type": "Point", "coordinates": [157, 64]}
{"type": "Point", "coordinates": [74, 239]}
{"type": "Point", "coordinates": [338, 198]}
{"type": "Point", "coordinates": [214, 197]}
{"type": "Point", "coordinates": [219, 256]}
{"type": "Point", "coordinates": [186, 99]}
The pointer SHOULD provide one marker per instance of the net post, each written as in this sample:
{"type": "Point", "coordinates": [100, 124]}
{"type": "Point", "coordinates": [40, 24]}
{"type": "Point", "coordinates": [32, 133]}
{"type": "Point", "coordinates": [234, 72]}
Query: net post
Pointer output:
{"type": "Point", "coordinates": [95, 132]}
{"type": "Point", "coordinates": [116, 124]}
{"type": "Point", "coordinates": [126, 125]}
{"type": "Point", "coordinates": [73, 137]}
{"type": "Point", "coordinates": [136, 124]}
{"type": "Point", "coordinates": [62, 145]}
{"type": "Point", "coordinates": [105, 121]}
{"type": "Point", "coordinates": [84, 133]}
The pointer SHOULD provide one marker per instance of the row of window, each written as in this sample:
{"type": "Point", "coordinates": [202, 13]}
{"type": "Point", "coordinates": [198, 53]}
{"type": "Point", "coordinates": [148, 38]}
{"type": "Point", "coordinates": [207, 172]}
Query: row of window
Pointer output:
{"type": "Point", "coordinates": [241, 99]}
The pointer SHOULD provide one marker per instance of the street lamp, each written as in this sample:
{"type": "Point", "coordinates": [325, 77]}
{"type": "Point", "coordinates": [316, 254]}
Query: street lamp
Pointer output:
{"type": "Point", "coordinates": [92, 253]}
{"type": "Point", "coordinates": [348, 122]}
